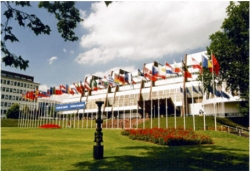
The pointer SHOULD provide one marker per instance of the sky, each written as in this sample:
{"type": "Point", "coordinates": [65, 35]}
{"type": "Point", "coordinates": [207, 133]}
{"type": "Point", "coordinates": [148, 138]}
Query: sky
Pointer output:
{"type": "Point", "coordinates": [124, 35]}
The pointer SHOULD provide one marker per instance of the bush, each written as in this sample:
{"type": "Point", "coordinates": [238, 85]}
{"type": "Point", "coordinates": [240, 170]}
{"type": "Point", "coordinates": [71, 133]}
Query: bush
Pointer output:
{"type": "Point", "coordinates": [170, 136]}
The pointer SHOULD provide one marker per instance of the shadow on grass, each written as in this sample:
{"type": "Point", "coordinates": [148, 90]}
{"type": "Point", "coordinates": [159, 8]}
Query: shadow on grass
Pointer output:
{"type": "Point", "coordinates": [182, 158]}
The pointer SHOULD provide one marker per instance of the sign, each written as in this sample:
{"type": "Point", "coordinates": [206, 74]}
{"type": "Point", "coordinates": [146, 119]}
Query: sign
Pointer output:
{"type": "Point", "coordinates": [70, 106]}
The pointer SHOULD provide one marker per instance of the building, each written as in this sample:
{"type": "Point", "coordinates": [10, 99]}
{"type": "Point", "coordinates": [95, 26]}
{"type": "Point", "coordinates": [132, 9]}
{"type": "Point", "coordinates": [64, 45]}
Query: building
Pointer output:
{"type": "Point", "coordinates": [13, 86]}
{"type": "Point", "coordinates": [137, 95]}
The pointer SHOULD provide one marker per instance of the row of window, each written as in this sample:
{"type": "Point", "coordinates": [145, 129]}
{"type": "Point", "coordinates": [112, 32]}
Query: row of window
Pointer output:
{"type": "Point", "coordinates": [19, 84]}
{"type": "Point", "coordinates": [11, 97]}
{"type": "Point", "coordinates": [6, 104]}
{"type": "Point", "coordinates": [13, 90]}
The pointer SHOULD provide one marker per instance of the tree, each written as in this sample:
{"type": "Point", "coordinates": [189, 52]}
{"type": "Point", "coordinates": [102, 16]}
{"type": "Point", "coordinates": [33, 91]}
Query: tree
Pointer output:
{"type": "Point", "coordinates": [231, 48]}
{"type": "Point", "coordinates": [13, 111]}
{"type": "Point", "coordinates": [65, 12]}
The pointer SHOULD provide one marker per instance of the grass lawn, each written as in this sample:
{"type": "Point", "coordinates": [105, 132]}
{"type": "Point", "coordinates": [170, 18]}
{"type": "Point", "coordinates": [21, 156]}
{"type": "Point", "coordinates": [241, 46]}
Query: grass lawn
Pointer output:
{"type": "Point", "coordinates": [34, 149]}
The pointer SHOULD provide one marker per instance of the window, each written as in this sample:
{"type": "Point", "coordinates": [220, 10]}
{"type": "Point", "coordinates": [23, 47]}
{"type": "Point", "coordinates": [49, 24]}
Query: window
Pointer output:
{"type": "Point", "coordinates": [18, 84]}
{"type": "Point", "coordinates": [14, 90]}
{"type": "Point", "coordinates": [11, 82]}
{"type": "Point", "coordinates": [21, 84]}
{"type": "Point", "coordinates": [9, 97]}
{"type": "Point", "coordinates": [15, 83]}
{"type": "Point", "coordinates": [11, 90]}
{"type": "Point", "coordinates": [3, 89]}
{"type": "Point", "coordinates": [17, 98]}
{"type": "Point", "coordinates": [24, 84]}
{"type": "Point", "coordinates": [7, 89]}
{"type": "Point", "coordinates": [2, 97]}
{"type": "Point", "coordinates": [17, 90]}
{"type": "Point", "coordinates": [8, 82]}
{"type": "Point", "coordinates": [4, 81]}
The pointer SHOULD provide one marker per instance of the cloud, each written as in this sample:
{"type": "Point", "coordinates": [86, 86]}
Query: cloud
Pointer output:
{"type": "Point", "coordinates": [148, 30]}
{"type": "Point", "coordinates": [64, 50]}
{"type": "Point", "coordinates": [43, 87]}
{"type": "Point", "coordinates": [52, 59]}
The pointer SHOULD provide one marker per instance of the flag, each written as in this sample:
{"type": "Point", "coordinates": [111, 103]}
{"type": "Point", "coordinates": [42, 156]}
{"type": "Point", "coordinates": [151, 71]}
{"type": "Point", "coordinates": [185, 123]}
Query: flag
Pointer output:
{"type": "Point", "coordinates": [86, 85]}
{"type": "Point", "coordinates": [128, 78]}
{"type": "Point", "coordinates": [112, 81]}
{"type": "Point", "coordinates": [200, 89]}
{"type": "Point", "coordinates": [195, 90]}
{"type": "Point", "coordinates": [177, 68]}
{"type": "Point", "coordinates": [216, 66]}
{"type": "Point", "coordinates": [196, 65]}
{"type": "Point", "coordinates": [181, 90]}
{"type": "Point", "coordinates": [187, 74]}
{"type": "Point", "coordinates": [188, 91]}
{"type": "Point", "coordinates": [155, 74]}
{"type": "Point", "coordinates": [78, 88]}
{"type": "Point", "coordinates": [148, 73]}
{"type": "Point", "coordinates": [169, 69]}
{"type": "Point", "coordinates": [206, 63]}
{"type": "Point", "coordinates": [223, 94]}
{"type": "Point", "coordinates": [217, 93]}
{"type": "Point", "coordinates": [93, 85]}
{"type": "Point", "coordinates": [141, 74]}
{"type": "Point", "coordinates": [162, 71]}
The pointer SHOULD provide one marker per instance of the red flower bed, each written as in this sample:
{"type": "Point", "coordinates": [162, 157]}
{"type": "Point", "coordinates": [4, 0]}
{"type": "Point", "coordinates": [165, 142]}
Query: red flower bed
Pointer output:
{"type": "Point", "coordinates": [170, 136]}
{"type": "Point", "coordinates": [53, 126]}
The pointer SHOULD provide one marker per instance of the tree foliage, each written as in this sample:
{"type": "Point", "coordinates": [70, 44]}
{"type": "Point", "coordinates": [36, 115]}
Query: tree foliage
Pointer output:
{"type": "Point", "coordinates": [13, 111]}
{"type": "Point", "coordinates": [231, 48]}
{"type": "Point", "coordinates": [65, 12]}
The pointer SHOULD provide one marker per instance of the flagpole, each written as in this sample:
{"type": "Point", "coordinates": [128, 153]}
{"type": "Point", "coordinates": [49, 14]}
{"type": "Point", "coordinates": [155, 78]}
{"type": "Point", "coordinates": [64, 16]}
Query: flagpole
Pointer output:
{"type": "Point", "coordinates": [215, 124]}
{"type": "Point", "coordinates": [193, 109]}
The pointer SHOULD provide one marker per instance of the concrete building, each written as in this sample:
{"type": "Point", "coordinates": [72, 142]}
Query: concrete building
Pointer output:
{"type": "Point", "coordinates": [13, 85]}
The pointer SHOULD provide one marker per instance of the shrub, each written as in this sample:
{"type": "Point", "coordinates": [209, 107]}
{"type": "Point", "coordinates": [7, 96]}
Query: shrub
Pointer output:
{"type": "Point", "coordinates": [170, 136]}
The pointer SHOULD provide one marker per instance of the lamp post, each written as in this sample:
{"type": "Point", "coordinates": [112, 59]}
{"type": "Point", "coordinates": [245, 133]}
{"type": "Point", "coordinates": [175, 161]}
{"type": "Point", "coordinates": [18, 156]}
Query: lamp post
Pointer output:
{"type": "Point", "coordinates": [98, 148]}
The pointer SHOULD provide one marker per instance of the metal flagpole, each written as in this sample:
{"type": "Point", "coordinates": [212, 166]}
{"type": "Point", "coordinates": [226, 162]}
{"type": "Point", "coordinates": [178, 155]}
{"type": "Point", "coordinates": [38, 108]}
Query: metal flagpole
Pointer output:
{"type": "Point", "coordinates": [143, 112]}
{"type": "Point", "coordinates": [159, 124]}
{"type": "Point", "coordinates": [130, 124]}
{"type": "Point", "coordinates": [166, 109]}
{"type": "Point", "coordinates": [193, 108]}
{"type": "Point", "coordinates": [118, 113]}
{"type": "Point", "coordinates": [215, 124]}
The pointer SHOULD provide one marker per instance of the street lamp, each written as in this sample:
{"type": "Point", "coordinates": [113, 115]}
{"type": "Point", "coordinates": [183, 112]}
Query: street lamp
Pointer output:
{"type": "Point", "coordinates": [98, 148]}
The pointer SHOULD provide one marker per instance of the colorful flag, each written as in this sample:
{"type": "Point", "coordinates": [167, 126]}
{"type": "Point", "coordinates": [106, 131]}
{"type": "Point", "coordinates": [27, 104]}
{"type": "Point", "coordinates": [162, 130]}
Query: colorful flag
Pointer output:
{"type": "Point", "coordinates": [177, 68]}
{"type": "Point", "coordinates": [216, 66]}
{"type": "Point", "coordinates": [162, 71]}
{"type": "Point", "coordinates": [128, 78]}
{"type": "Point", "coordinates": [112, 81]}
{"type": "Point", "coordinates": [141, 74]}
{"type": "Point", "coordinates": [93, 85]}
{"type": "Point", "coordinates": [87, 85]}
{"type": "Point", "coordinates": [195, 90]}
{"type": "Point", "coordinates": [169, 69]}
{"type": "Point", "coordinates": [188, 91]}
{"type": "Point", "coordinates": [181, 90]}
{"type": "Point", "coordinates": [196, 65]}
{"type": "Point", "coordinates": [206, 63]}
{"type": "Point", "coordinates": [223, 94]}
{"type": "Point", "coordinates": [200, 89]}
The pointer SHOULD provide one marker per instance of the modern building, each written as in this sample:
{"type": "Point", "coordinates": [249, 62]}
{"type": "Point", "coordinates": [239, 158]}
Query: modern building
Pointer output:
{"type": "Point", "coordinates": [13, 86]}
{"type": "Point", "coordinates": [155, 91]}
{"type": "Point", "coordinates": [163, 97]}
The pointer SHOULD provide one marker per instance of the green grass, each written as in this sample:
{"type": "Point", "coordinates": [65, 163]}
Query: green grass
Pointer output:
{"type": "Point", "coordinates": [34, 149]}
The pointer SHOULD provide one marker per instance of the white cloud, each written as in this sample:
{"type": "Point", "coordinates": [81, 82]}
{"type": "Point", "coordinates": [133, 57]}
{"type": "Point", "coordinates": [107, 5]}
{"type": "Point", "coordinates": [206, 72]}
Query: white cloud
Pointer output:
{"type": "Point", "coordinates": [72, 52]}
{"type": "Point", "coordinates": [115, 69]}
{"type": "Point", "coordinates": [43, 87]}
{"type": "Point", "coordinates": [139, 30]}
{"type": "Point", "coordinates": [52, 59]}
{"type": "Point", "coordinates": [64, 50]}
